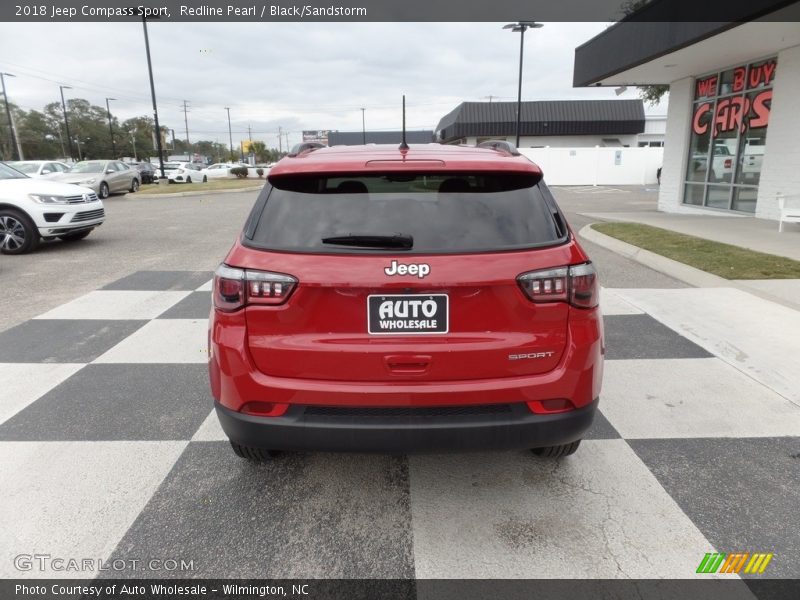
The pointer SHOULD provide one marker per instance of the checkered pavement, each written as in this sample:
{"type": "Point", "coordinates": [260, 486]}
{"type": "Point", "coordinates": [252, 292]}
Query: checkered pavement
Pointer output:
{"type": "Point", "coordinates": [109, 449]}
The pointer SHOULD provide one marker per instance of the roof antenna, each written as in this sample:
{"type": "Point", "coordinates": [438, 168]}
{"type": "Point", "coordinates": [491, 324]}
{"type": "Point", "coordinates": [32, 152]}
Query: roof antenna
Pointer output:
{"type": "Point", "coordinates": [403, 145]}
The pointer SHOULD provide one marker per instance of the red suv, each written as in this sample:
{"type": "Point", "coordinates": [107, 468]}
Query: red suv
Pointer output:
{"type": "Point", "coordinates": [422, 299]}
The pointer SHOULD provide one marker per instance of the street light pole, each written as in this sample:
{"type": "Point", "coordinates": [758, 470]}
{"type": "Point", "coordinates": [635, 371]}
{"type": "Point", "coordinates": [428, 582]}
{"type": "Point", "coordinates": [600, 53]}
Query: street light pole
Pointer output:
{"type": "Point", "coordinates": [111, 129]}
{"type": "Point", "coordinates": [363, 126]}
{"type": "Point", "coordinates": [66, 121]}
{"type": "Point", "coordinates": [153, 96]}
{"type": "Point", "coordinates": [230, 135]}
{"type": "Point", "coordinates": [10, 121]}
{"type": "Point", "coordinates": [520, 28]}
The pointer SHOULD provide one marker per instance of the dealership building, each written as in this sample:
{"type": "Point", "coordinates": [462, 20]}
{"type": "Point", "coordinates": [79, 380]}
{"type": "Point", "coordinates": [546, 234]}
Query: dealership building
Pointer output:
{"type": "Point", "coordinates": [733, 129]}
{"type": "Point", "coordinates": [553, 123]}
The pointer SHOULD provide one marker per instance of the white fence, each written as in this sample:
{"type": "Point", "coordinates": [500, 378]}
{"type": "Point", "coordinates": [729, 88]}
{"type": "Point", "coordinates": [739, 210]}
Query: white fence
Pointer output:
{"type": "Point", "coordinates": [598, 165]}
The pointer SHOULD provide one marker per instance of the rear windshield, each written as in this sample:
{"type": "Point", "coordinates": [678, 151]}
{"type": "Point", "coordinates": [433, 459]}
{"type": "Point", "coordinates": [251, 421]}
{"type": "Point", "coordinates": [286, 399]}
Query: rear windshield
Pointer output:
{"type": "Point", "coordinates": [441, 213]}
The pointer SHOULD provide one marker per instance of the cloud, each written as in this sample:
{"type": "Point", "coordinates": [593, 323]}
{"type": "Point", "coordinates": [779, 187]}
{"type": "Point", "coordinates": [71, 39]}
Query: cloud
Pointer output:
{"type": "Point", "coordinates": [290, 75]}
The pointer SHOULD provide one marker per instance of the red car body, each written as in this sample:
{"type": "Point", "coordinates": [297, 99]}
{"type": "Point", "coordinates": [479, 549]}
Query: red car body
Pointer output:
{"type": "Point", "coordinates": [508, 360]}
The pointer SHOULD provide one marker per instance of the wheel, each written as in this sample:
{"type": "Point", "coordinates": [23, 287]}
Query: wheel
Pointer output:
{"type": "Point", "coordinates": [103, 191]}
{"type": "Point", "coordinates": [18, 234]}
{"type": "Point", "coordinates": [74, 237]}
{"type": "Point", "coordinates": [134, 186]}
{"type": "Point", "coordinates": [252, 454]}
{"type": "Point", "coordinates": [205, 178]}
{"type": "Point", "coordinates": [188, 180]}
{"type": "Point", "coordinates": [557, 451]}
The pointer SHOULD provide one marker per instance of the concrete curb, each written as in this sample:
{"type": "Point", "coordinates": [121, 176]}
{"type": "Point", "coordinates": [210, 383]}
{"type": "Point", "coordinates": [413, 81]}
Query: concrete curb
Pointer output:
{"type": "Point", "coordinates": [665, 265]}
{"type": "Point", "coordinates": [182, 194]}
{"type": "Point", "coordinates": [675, 269]}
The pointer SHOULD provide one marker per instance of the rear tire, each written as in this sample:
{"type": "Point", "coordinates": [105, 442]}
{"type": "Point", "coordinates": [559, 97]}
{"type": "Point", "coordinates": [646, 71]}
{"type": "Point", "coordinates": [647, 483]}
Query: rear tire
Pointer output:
{"type": "Point", "coordinates": [557, 451]}
{"type": "Point", "coordinates": [253, 454]}
{"type": "Point", "coordinates": [18, 234]}
{"type": "Point", "coordinates": [205, 178]}
{"type": "Point", "coordinates": [188, 180]}
{"type": "Point", "coordinates": [74, 237]}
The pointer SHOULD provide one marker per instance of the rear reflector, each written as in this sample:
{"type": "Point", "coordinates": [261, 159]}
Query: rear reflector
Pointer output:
{"type": "Point", "coordinates": [265, 409]}
{"type": "Point", "coordinates": [554, 405]}
{"type": "Point", "coordinates": [236, 288]}
{"type": "Point", "coordinates": [576, 284]}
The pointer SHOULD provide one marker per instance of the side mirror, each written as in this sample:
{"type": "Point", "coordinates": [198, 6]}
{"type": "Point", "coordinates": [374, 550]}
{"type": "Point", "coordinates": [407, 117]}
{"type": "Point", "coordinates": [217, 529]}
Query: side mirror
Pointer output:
{"type": "Point", "coordinates": [109, 171]}
{"type": "Point", "coordinates": [46, 171]}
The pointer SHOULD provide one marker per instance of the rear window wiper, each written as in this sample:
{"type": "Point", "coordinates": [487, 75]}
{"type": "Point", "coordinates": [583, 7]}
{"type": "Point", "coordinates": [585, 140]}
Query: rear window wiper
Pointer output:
{"type": "Point", "coordinates": [400, 241]}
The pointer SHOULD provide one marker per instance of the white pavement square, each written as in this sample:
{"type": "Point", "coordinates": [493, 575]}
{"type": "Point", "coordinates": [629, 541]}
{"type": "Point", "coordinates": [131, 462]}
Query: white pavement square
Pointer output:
{"type": "Point", "coordinates": [692, 398]}
{"type": "Point", "coordinates": [754, 335]}
{"type": "Point", "coordinates": [210, 430]}
{"type": "Point", "coordinates": [82, 500]}
{"type": "Point", "coordinates": [600, 514]}
{"type": "Point", "coordinates": [163, 341]}
{"type": "Point", "coordinates": [109, 304]}
{"type": "Point", "coordinates": [206, 287]}
{"type": "Point", "coordinates": [23, 383]}
{"type": "Point", "coordinates": [612, 304]}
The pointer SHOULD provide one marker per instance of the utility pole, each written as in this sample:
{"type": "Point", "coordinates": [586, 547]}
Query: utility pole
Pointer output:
{"type": "Point", "coordinates": [133, 142]}
{"type": "Point", "coordinates": [16, 135]}
{"type": "Point", "coordinates": [280, 139]}
{"type": "Point", "coordinates": [10, 121]}
{"type": "Point", "coordinates": [363, 126]}
{"type": "Point", "coordinates": [230, 135]}
{"type": "Point", "coordinates": [153, 96]}
{"type": "Point", "coordinates": [490, 97]}
{"type": "Point", "coordinates": [250, 137]}
{"type": "Point", "coordinates": [111, 129]}
{"type": "Point", "coordinates": [66, 121]}
{"type": "Point", "coordinates": [521, 28]}
{"type": "Point", "coordinates": [186, 123]}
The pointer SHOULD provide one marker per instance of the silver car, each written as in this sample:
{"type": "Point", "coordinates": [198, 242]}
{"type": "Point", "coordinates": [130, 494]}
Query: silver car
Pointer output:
{"type": "Point", "coordinates": [46, 169]}
{"type": "Point", "coordinates": [103, 176]}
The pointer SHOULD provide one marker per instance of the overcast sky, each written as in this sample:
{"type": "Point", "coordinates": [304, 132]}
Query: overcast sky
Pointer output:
{"type": "Point", "coordinates": [296, 76]}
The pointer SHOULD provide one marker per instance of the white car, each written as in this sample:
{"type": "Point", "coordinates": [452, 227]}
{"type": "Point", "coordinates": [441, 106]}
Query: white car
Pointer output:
{"type": "Point", "coordinates": [39, 168]}
{"type": "Point", "coordinates": [219, 170]}
{"type": "Point", "coordinates": [35, 209]}
{"type": "Point", "coordinates": [184, 172]}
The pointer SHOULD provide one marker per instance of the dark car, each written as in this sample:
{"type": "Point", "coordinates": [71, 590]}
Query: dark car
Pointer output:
{"type": "Point", "coordinates": [422, 299]}
{"type": "Point", "coordinates": [146, 170]}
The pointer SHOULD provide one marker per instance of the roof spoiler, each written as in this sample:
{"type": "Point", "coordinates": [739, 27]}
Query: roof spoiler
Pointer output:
{"type": "Point", "coordinates": [500, 146]}
{"type": "Point", "coordinates": [305, 147]}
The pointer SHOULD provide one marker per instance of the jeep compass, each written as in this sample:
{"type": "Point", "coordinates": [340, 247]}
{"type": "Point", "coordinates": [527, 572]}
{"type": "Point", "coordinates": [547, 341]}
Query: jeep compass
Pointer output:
{"type": "Point", "coordinates": [427, 298]}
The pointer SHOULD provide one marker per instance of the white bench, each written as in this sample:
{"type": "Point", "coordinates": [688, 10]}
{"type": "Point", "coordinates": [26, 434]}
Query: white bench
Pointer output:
{"type": "Point", "coordinates": [787, 214]}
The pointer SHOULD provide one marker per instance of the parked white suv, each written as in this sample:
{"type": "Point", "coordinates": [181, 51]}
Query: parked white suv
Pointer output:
{"type": "Point", "coordinates": [36, 209]}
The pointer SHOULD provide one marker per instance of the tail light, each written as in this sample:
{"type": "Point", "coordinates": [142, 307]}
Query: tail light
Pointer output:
{"type": "Point", "coordinates": [576, 284]}
{"type": "Point", "coordinates": [728, 163]}
{"type": "Point", "coordinates": [236, 288]}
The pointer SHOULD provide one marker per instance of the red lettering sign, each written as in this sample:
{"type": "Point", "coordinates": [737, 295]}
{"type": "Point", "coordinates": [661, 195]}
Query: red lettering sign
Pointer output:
{"type": "Point", "coordinates": [701, 111]}
{"type": "Point", "coordinates": [736, 112]}
{"type": "Point", "coordinates": [706, 87]}
{"type": "Point", "coordinates": [761, 107]}
{"type": "Point", "coordinates": [761, 75]}
{"type": "Point", "coordinates": [739, 78]}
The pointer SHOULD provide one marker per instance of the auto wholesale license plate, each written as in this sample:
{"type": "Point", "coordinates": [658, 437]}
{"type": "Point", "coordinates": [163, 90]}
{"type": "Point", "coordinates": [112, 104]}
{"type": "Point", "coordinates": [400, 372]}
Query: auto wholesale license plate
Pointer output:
{"type": "Point", "coordinates": [411, 314]}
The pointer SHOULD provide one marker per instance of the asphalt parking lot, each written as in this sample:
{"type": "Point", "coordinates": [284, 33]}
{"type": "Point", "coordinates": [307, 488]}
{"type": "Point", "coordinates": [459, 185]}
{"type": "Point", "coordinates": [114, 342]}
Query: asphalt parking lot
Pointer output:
{"type": "Point", "coordinates": [110, 449]}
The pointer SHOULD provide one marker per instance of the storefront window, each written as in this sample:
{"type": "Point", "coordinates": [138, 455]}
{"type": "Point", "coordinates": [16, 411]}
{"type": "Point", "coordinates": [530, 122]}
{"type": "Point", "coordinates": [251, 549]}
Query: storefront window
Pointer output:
{"type": "Point", "coordinates": [729, 130]}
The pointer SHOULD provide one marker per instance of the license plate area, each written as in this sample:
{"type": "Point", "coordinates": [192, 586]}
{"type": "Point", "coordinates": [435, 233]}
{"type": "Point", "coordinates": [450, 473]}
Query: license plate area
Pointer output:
{"type": "Point", "coordinates": [408, 314]}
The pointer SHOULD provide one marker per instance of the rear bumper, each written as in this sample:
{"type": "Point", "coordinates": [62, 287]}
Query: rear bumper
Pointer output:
{"type": "Point", "coordinates": [364, 431]}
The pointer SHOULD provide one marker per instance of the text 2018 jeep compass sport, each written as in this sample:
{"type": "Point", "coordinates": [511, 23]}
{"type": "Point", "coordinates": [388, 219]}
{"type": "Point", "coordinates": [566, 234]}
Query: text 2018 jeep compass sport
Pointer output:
{"type": "Point", "coordinates": [422, 299]}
